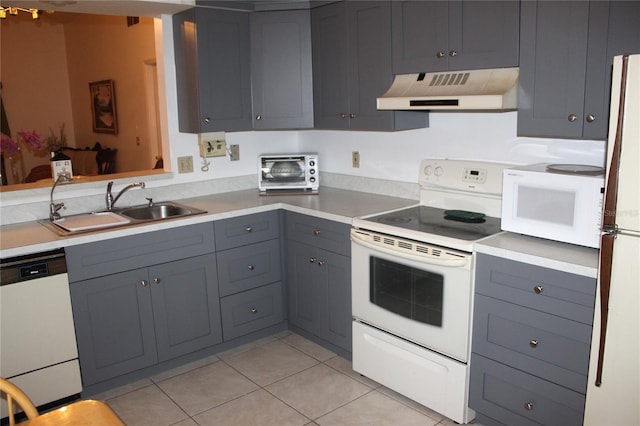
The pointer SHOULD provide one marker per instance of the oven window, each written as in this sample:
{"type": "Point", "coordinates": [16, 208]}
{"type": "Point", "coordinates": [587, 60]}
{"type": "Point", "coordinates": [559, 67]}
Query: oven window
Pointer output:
{"type": "Point", "coordinates": [406, 291]}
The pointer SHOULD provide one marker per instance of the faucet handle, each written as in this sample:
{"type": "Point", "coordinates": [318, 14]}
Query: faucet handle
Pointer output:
{"type": "Point", "coordinates": [150, 200]}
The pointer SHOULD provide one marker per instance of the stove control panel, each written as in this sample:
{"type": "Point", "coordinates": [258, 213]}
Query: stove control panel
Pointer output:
{"type": "Point", "coordinates": [462, 175]}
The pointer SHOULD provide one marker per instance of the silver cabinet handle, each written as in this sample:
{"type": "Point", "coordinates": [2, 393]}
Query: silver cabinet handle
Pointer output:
{"type": "Point", "coordinates": [352, 115]}
{"type": "Point", "coordinates": [258, 117]}
{"type": "Point", "coordinates": [343, 115]}
{"type": "Point", "coordinates": [316, 232]}
{"type": "Point", "coordinates": [207, 119]}
{"type": "Point", "coordinates": [538, 289]}
{"type": "Point", "coordinates": [572, 118]}
{"type": "Point", "coordinates": [453, 53]}
{"type": "Point", "coordinates": [528, 406]}
{"type": "Point", "coordinates": [144, 283]}
{"type": "Point", "coordinates": [320, 262]}
{"type": "Point", "coordinates": [156, 280]}
{"type": "Point", "coordinates": [254, 311]}
{"type": "Point", "coordinates": [533, 343]}
{"type": "Point", "coordinates": [250, 267]}
{"type": "Point", "coordinates": [591, 118]}
{"type": "Point", "coordinates": [248, 229]}
{"type": "Point", "coordinates": [312, 260]}
{"type": "Point", "coordinates": [440, 54]}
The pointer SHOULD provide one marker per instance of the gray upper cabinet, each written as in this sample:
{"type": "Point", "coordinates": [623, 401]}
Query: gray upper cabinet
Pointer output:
{"type": "Point", "coordinates": [212, 70]}
{"type": "Point", "coordinates": [352, 67]}
{"type": "Point", "coordinates": [281, 75]}
{"type": "Point", "coordinates": [567, 50]}
{"type": "Point", "coordinates": [455, 35]}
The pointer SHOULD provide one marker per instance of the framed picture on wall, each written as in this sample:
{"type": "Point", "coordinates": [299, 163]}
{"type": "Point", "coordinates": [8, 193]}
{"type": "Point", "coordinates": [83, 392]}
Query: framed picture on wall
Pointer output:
{"type": "Point", "coordinates": [103, 107]}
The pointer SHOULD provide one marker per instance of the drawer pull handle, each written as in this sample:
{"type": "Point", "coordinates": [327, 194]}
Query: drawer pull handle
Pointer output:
{"type": "Point", "coordinates": [250, 267]}
{"type": "Point", "coordinates": [528, 406]}
{"type": "Point", "coordinates": [312, 260]}
{"type": "Point", "coordinates": [533, 343]}
{"type": "Point", "coordinates": [320, 262]}
{"type": "Point", "coordinates": [254, 311]}
{"type": "Point", "coordinates": [572, 118]}
{"type": "Point", "coordinates": [316, 232]}
{"type": "Point", "coordinates": [248, 229]}
{"type": "Point", "coordinates": [144, 283]}
{"type": "Point", "coordinates": [156, 280]}
{"type": "Point", "coordinates": [538, 289]}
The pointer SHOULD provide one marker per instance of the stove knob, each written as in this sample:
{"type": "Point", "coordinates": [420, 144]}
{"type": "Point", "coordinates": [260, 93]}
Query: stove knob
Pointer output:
{"type": "Point", "coordinates": [439, 171]}
{"type": "Point", "coordinates": [428, 170]}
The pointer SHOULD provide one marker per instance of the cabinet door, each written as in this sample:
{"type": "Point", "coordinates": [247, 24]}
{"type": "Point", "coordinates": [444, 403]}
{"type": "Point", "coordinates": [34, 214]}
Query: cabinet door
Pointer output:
{"type": "Point", "coordinates": [334, 298]}
{"type": "Point", "coordinates": [186, 306]}
{"type": "Point", "coordinates": [330, 62]}
{"type": "Point", "coordinates": [281, 72]}
{"type": "Point", "coordinates": [552, 68]}
{"type": "Point", "coordinates": [614, 29]}
{"type": "Point", "coordinates": [114, 325]}
{"type": "Point", "coordinates": [420, 32]}
{"type": "Point", "coordinates": [212, 70]}
{"type": "Point", "coordinates": [369, 71]}
{"type": "Point", "coordinates": [302, 279]}
{"type": "Point", "coordinates": [483, 34]}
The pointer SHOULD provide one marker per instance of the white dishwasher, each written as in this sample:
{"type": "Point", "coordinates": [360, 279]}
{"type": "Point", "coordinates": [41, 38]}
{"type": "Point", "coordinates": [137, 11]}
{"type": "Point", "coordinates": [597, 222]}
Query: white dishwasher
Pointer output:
{"type": "Point", "coordinates": [38, 349]}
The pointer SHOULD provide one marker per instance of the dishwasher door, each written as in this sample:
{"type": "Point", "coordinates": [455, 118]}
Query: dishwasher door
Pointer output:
{"type": "Point", "coordinates": [38, 349]}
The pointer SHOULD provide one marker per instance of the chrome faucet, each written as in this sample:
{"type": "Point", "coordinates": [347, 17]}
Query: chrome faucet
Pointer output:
{"type": "Point", "coordinates": [54, 208]}
{"type": "Point", "coordinates": [112, 201]}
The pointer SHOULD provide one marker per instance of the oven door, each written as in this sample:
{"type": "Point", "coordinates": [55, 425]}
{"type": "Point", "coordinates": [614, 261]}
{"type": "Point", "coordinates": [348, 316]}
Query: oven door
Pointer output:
{"type": "Point", "coordinates": [418, 292]}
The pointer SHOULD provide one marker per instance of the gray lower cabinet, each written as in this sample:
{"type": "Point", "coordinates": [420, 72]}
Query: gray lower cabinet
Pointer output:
{"type": "Point", "coordinates": [440, 36]}
{"type": "Point", "coordinates": [282, 89]}
{"type": "Point", "coordinates": [134, 319]}
{"type": "Point", "coordinates": [319, 278]}
{"type": "Point", "coordinates": [531, 343]}
{"type": "Point", "coordinates": [250, 273]}
{"type": "Point", "coordinates": [566, 54]}
{"type": "Point", "coordinates": [143, 299]}
{"type": "Point", "coordinates": [213, 74]}
{"type": "Point", "coordinates": [352, 66]}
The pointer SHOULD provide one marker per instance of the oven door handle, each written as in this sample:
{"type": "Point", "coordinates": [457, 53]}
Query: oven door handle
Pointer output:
{"type": "Point", "coordinates": [455, 262]}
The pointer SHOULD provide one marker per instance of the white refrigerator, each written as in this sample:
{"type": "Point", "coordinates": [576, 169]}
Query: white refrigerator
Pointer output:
{"type": "Point", "coordinates": [613, 390]}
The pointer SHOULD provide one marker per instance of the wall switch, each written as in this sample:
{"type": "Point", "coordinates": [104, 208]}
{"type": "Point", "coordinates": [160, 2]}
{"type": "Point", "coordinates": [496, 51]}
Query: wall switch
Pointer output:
{"type": "Point", "coordinates": [235, 152]}
{"type": "Point", "coordinates": [355, 159]}
{"type": "Point", "coordinates": [212, 144]}
{"type": "Point", "coordinates": [185, 164]}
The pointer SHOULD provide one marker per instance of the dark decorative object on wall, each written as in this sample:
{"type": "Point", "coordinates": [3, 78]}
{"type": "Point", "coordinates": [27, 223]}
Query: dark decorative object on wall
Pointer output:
{"type": "Point", "coordinates": [103, 107]}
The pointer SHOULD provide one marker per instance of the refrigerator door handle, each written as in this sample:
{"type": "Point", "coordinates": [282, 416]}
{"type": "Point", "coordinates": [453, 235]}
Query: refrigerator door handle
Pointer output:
{"type": "Point", "coordinates": [609, 223]}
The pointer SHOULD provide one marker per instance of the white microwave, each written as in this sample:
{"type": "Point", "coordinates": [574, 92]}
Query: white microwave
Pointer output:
{"type": "Point", "coordinates": [560, 202]}
{"type": "Point", "coordinates": [288, 172]}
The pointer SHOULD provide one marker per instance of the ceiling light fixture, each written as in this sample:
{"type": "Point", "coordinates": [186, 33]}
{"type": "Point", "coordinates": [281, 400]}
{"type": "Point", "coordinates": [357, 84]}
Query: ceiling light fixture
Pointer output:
{"type": "Point", "coordinates": [14, 11]}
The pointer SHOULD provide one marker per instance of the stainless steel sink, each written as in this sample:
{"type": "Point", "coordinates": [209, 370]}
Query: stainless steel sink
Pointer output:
{"type": "Point", "coordinates": [74, 224]}
{"type": "Point", "coordinates": [157, 211]}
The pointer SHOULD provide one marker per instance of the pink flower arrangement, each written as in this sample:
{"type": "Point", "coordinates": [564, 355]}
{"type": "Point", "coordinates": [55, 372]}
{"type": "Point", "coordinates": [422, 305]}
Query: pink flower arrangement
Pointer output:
{"type": "Point", "coordinates": [31, 139]}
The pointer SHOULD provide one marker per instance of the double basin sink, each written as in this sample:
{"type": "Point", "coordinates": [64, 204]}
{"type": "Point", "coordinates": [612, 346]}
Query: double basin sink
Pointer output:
{"type": "Point", "coordinates": [73, 224]}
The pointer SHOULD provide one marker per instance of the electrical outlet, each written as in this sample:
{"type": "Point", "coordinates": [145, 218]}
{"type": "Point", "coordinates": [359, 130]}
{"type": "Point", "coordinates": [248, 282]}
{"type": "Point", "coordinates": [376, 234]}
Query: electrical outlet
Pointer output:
{"type": "Point", "coordinates": [355, 159]}
{"type": "Point", "coordinates": [212, 144]}
{"type": "Point", "coordinates": [185, 164]}
{"type": "Point", "coordinates": [234, 152]}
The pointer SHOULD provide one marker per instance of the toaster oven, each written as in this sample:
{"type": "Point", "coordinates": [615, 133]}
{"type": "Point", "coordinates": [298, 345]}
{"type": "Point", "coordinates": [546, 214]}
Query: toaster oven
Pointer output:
{"type": "Point", "coordinates": [293, 172]}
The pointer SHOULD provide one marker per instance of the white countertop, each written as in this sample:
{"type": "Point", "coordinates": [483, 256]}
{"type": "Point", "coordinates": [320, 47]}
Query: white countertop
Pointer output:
{"type": "Point", "coordinates": [330, 203]}
{"type": "Point", "coordinates": [537, 251]}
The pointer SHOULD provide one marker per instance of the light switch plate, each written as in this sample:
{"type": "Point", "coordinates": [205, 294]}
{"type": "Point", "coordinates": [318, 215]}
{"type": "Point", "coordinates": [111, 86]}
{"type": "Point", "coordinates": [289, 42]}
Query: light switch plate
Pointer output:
{"type": "Point", "coordinates": [212, 144]}
{"type": "Point", "coordinates": [185, 164]}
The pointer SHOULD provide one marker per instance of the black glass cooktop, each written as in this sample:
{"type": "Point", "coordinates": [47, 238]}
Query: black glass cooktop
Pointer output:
{"type": "Point", "coordinates": [460, 224]}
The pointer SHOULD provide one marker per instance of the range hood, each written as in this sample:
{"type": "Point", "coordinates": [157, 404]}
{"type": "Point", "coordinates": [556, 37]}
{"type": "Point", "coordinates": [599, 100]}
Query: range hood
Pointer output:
{"type": "Point", "coordinates": [485, 89]}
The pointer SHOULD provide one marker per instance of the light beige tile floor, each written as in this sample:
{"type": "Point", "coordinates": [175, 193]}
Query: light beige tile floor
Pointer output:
{"type": "Point", "coordinates": [281, 380]}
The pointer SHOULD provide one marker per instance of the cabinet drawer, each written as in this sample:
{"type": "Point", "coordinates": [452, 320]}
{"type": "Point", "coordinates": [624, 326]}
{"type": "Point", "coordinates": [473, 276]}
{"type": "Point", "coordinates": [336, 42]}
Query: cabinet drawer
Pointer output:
{"type": "Point", "coordinates": [559, 293]}
{"type": "Point", "coordinates": [247, 267]}
{"type": "Point", "coordinates": [126, 253]}
{"type": "Point", "coordinates": [248, 229]}
{"type": "Point", "coordinates": [321, 233]}
{"type": "Point", "coordinates": [516, 398]}
{"type": "Point", "coordinates": [553, 348]}
{"type": "Point", "coordinates": [251, 310]}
